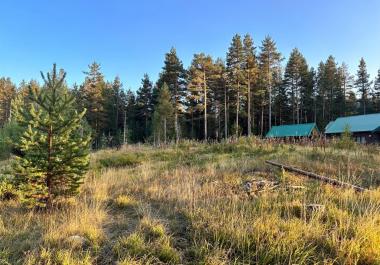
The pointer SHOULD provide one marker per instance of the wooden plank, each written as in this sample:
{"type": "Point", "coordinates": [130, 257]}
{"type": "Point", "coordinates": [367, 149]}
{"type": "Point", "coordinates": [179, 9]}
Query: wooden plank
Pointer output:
{"type": "Point", "coordinates": [331, 181]}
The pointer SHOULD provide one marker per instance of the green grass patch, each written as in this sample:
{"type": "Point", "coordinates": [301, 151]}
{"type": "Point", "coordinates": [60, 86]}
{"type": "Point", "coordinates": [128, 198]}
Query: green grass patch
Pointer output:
{"type": "Point", "coordinates": [125, 201]}
{"type": "Point", "coordinates": [121, 160]}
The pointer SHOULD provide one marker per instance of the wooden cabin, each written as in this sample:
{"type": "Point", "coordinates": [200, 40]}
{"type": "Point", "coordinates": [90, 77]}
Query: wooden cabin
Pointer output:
{"type": "Point", "coordinates": [364, 128]}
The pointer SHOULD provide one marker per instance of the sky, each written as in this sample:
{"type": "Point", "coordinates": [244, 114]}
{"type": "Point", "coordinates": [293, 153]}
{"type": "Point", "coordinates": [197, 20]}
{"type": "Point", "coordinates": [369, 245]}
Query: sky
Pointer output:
{"type": "Point", "coordinates": [130, 38]}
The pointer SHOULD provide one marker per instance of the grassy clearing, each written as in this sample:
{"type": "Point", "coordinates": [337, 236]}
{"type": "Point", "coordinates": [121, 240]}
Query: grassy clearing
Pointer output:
{"type": "Point", "coordinates": [186, 205]}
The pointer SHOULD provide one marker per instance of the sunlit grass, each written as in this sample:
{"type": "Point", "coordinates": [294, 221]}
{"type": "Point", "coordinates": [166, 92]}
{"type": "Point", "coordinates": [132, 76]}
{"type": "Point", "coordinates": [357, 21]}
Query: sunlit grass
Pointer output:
{"type": "Point", "coordinates": [186, 205]}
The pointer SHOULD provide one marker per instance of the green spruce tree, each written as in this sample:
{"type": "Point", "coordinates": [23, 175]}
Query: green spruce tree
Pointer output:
{"type": "Point", "coordinates": [363, 85]}
{"type": "Point", "coordinates": [235, 70]}
{"type": "Point", "coordinates": [163, 113]}
{"type": "Point", "coordinates": [55, 150]}
{"type": "Point", "coordinates": [269, 61]}
{"type": "Point", "coordinates": [376, 93]}
{"type": "Point", "coordinates": [251, 73]}
{"type": "Point", "coordinates": [199, 76]}
{"type": "Point", "coordinates": [144, 107]}
{"type": "Point", "coordinates": [296, 74]}
{"type": "Point", "coordinates": [174, 75]}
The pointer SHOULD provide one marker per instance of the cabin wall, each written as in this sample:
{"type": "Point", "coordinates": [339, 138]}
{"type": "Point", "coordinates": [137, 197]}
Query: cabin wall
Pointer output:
{"type": "Point", "coordinates": [362, 137]}
{"type": "Point", "coordinates": [366, 137]}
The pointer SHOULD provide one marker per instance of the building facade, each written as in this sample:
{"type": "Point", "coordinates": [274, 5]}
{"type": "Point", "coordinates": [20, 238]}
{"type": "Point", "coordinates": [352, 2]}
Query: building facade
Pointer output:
{"type": "Point", "coordinates": [364, 128]}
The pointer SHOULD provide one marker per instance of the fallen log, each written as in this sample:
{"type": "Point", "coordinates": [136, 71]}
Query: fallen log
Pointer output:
{"type": "Point", "coordinates": [331, 181]}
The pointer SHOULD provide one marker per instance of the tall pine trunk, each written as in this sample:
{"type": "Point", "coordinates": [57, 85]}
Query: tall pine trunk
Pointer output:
{"type": "Point", "coordinates": [253, 116]}
{"type": "Point", "coordinates": [237, 109]}
{"type": "Point", "coordinates": [270, 93]}
{"type": "Point", "coordinates": [176, 115]}
{"type": "Point", "coordinates": [49, 183]}
{"type": "Point", "coordinates": [192, 124]}
{"type": "Point", "coordinates": [176, 126]}
{"type": "Point", "coordinates": [205, 106]}
{"type": "Point", "coordinates": [270, 108]}
{"type": "Point", "coordinates": [262, 120]}
{"type": "Point", "coordinates": [249, 106]}
{"type": "Point", "coordinates": [125, 128]}
{"type": "Point", "coordinates": [225, 114]}
{"type": "Point", "coordinates": [165, 131]}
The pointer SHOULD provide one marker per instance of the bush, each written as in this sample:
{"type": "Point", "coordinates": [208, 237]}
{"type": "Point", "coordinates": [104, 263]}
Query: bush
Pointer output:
{"type": "Point", "coordinates": [346, 141]}
{"type": "Point", "coordinates": [7, 188]}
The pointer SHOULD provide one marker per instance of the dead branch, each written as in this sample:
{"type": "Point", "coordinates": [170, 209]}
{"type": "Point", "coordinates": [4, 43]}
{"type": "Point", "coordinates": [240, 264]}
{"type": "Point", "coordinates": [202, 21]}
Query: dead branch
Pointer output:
{"type": "Point", "coordinates": [331, 181]}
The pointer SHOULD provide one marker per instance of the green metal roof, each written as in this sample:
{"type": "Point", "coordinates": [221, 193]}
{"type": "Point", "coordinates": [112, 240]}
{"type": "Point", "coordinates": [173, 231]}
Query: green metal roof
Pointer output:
{"type": "Point", "coordinates": [359, 123]}
{"type": "Point", "coordinates": [328, 125]}
{"type": "Point", "coordinates": [294, 130]}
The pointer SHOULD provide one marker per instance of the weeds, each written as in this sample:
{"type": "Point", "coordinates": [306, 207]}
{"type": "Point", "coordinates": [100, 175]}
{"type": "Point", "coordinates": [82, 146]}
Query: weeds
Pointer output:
{"type": "Point", "coordinates": [186, 205]}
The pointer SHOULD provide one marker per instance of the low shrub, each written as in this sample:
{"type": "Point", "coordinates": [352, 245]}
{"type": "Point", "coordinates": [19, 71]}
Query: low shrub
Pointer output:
{"type": "Point", "coordinates": [125, 201]}
{"type": "Point", "coordinates": [345, 142]}
{"type": "Point", "coordinates": [7, 188]}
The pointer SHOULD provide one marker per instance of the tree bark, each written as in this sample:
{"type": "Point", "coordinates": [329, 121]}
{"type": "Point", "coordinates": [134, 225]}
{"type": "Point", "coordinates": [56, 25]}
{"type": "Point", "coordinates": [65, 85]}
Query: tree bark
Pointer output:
{"type": "Point", "coordinates": [125, 128]}
{"type": "Point", "coordinates": [225, 114]}
{"type": "Point", "coordinates": [237, 109]}
{"type": "Point", "coordinates": [48, 175]}
{"type": "Point", "coordinates": [249, 105]}
{"type": "Point", "coordinates": [262, 120]}
{"type": "Point", "coordinates": [176, 126]}
{"type": "Point", "coordinates": [205, 106]}
{"type": "Point", "coordinates": [165, 130]}
{"type": "Point", "coordinates": [270, 93]}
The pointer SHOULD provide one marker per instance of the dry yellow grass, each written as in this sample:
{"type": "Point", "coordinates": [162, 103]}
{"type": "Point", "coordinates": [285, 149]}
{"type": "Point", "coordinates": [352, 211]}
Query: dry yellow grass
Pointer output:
{"type": "Point", "coordinates": [186, 205]}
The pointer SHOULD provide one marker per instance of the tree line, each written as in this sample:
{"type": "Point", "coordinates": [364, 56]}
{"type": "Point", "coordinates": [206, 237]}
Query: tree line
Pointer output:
{"type": "Point", "coordinates": [245, 93]}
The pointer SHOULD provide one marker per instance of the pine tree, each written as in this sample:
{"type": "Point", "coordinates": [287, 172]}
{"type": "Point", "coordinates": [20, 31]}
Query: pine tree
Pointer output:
{"type": "Point", "coordinates": [363, 85]}
{"type": "Point", "coordinates": [144, 106]}
{"type": "Point", "coordinates": [251, 73]}
{"type": "Point", "coordinates": [296, 81]}
{"type": "Point", "coordinates": [174, 75]}
{"type": "Point", "coordinates": [351, 108]}
{"type": "Point", "coordinates": [346, 81]}
{"type": "Point", "coordinates": [218, 86]}
{"type": "Point", "coordinates": [321, 95]}
{"type": "Point", "coordinates": [130, 113]}
{"type": "Point", "coordinates": [55, 152]}
{"type": "Point", "coordinates": [308, 94]}
{"type": "Point", "coordinates": [235, 70]}
{"type": "Point", "coordinates": [269, 61]}
{"type": "Point", "coordinates": [199, 77]}
{"type": "Point", "coordinates": [330, 93]}
{"type": "Point", "coordinates": [113, 111]}
{"type": "Point", "coordinates": [7, 94]}
{"type": "Point", "coordinates": [163, 114]}
{"type": "Point", "coordinates": [376, 93]}
{"type": "Point", "coordinates": [281, 104]}
{"type": "Point", "coordinates": [23, 90]}
{"type": "Point", "coordinates": [92, 99]}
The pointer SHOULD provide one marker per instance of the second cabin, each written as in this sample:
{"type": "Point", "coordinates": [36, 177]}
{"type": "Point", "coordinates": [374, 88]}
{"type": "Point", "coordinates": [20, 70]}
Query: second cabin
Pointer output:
{"type": "Point", "coordinates": [364, 128]}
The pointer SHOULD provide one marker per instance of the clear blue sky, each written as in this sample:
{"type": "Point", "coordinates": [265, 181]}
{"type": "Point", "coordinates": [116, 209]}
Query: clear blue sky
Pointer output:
{"type": "Point", "coordinates": [130, 38]}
